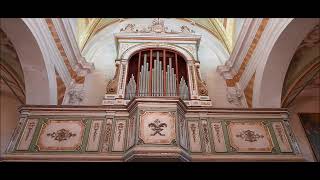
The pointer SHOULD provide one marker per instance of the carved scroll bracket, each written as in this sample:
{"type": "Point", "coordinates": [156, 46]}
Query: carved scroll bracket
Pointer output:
{"type": "Point", "coordinates": [74, 94]}
{"type": "Point", "coordinates": [235, 95]}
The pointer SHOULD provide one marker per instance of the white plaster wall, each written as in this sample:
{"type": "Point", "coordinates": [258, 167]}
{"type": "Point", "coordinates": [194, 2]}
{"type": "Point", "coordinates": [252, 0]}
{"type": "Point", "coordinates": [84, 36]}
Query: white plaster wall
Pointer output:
{"type": "Point", "coordinates": [217, 90]}
{"type": "Point", "coordinates": [95, 85]}
{"type": "Point", "coordinates": [101, 50]}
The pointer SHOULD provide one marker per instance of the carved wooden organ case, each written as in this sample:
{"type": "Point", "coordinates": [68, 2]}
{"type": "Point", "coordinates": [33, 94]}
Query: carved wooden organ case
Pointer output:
{"type": "Point", "coordinates": [155, 62]}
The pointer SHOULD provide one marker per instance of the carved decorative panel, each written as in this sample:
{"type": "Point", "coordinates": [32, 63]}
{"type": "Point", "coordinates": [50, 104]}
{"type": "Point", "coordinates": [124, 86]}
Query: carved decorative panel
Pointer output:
{"type": "Point", "coordinates": [183, 132]}
{"type": "Point", "coordinates": [194, 137]}
{"type": "Point", "coordinates": [94, 136]}
{"type": "Point", "coordinates": [206, 136]}
{"type": "Point", "coordinates": [249, 137]}
{"type": "Point", "coordinates": [131, 131]}
{"type": "Point", "coordinates": [107, 136]}
{"type": "Point", "coordinates": [281, 137]}
{"type": "Point", "coordinates": [61, 135]}
{"type": "Point", "coordinates": [27, 135]}
{"type": "Point", "coordinates": [119, 135]}
{"type": "Point", "coordinates": [218, 137]}
{"type": "Point", "coordinates": [157, 127]}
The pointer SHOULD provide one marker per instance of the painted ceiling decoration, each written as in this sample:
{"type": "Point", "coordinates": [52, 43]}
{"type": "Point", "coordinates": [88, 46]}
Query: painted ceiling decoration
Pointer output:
{"type": "Point", "coordinates": [222, 28]}
{"type": "Point", "coordinates": [304, 66]}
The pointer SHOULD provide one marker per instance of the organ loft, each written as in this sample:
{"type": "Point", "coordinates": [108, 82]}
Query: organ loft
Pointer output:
{"type": "Point", "coordinates": [172, 89]}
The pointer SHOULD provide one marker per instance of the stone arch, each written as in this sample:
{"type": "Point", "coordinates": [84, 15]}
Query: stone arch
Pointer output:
{"type": "Point", "coordinates": [271, 71]}
{"type": "Point", "coordinates": [39, 72]}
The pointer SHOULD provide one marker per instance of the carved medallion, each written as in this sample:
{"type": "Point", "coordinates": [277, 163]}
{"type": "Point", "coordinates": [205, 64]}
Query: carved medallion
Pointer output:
{"type": "Point", "coordinates": [61, 135]}
{"type": "Point", "coordinates": [157, 127]}
{"type": "Point", "coordinates": [249, 135]}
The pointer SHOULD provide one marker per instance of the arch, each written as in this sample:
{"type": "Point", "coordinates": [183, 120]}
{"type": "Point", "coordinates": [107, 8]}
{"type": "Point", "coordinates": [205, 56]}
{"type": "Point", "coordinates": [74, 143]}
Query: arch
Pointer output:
{"type": "Point", "coordinates": [38, 71]}
{"type": "Point", "coordinates": [271, 71]}
{"type": "Point", "coordinates": [132, 50]}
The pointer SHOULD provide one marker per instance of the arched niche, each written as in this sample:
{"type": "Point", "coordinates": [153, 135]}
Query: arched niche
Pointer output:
{"type": "Point", "coordinates": [270, 73]}
{"type": "Point", "coordinates": [130, 51]}
{"type": "Point", "coordinates": [39, 73]}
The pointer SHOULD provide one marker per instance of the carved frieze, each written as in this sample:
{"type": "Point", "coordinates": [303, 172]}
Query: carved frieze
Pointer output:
{"type": "Point", "coordinates": [61, 135]}
{"type": "Point", "coordinates": [249, 137]}
{"type": "Point", "coordinates": [157, 26]}
{"type": "Point", "coordinates": [157, 127]}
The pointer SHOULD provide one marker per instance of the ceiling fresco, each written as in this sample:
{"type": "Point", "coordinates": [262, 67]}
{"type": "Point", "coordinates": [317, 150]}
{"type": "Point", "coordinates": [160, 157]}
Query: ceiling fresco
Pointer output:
{"type": "Point", "coordinates": [222, 28]}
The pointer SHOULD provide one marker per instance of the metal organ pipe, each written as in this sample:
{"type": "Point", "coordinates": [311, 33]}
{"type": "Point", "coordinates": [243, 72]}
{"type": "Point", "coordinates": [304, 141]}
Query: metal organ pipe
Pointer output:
{"type": "Point", "coordinates": [157, 77]}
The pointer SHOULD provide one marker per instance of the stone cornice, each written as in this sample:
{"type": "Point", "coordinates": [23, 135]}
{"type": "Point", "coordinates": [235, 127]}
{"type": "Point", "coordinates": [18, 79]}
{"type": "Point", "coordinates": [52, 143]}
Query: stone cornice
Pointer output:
{"type": "Point", "coordinates": [70, 46]}
{"type": "Point", "coordinates": [243, 43]}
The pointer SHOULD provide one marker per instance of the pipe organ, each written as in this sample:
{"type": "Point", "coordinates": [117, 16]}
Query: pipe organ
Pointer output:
{"type": "Point", "coordinates": [157, 72]}
{"type": "Point", "coordinates": [153, 61]}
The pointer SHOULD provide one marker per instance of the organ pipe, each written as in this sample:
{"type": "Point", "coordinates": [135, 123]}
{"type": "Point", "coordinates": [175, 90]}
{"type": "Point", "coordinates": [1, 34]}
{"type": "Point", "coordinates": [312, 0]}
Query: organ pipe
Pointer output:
{"type": "Point", "coordinates": [157, 77]}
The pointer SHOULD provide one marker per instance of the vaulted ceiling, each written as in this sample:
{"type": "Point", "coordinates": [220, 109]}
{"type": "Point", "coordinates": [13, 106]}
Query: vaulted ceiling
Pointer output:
{"type": "Point", "coordinates": [222, 28]}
